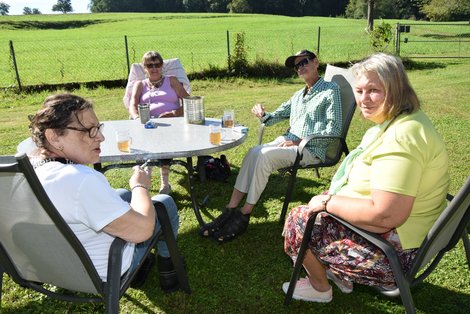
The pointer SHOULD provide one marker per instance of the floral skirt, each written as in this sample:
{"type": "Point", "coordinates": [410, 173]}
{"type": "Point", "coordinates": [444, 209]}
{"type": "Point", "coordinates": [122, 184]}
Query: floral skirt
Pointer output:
{"type": "Point", "coordinates": [348, 255]}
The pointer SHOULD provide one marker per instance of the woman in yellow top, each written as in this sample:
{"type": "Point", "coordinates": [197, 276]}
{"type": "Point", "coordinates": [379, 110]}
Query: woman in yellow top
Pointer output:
{"type": "Point", "coordinates": [393, 184]}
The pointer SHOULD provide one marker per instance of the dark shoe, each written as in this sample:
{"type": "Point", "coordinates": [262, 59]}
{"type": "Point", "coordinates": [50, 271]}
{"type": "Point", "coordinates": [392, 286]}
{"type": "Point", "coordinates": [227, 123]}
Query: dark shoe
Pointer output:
{"type": "Point", "coordinates": [143, 272]}
{"type": "Point", "coordinates": [235, 226]}
{"type": "Point", "coordinates": [210, 228]}
{"type": "Point", "coordinates": [168, 279]}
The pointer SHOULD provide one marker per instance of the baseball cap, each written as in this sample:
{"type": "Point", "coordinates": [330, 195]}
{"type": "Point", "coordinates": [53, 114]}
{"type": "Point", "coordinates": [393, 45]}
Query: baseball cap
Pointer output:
{"type": "Point", "coordinates": [290, 61]}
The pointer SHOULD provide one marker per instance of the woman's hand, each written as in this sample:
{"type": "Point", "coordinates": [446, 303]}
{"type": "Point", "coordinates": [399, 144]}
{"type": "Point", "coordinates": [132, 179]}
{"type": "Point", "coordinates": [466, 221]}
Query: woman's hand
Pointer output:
{"type": "Point", "coordinates": [141, 177]}
{"type": "Point", "coordinates": [315, 205]}
{"type": "Point", "coordinates": [258, 110]}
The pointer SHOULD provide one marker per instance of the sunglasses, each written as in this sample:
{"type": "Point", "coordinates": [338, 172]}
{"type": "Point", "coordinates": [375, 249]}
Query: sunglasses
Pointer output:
{"type": "Point", "coordinates": [301, 64]}
{"type": "Point", "coordinates": [153, 65]}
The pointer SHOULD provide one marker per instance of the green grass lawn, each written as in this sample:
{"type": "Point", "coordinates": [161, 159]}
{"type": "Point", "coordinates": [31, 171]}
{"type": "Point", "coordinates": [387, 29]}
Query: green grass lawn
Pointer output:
{"type": "Point", "coordinates": [245, 276]}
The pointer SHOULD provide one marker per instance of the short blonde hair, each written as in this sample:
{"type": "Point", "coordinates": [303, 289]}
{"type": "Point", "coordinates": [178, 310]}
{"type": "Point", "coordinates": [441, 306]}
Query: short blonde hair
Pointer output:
{"type": "Point", "coordinates": [151, 56]}
{"type": "Point", "coordinates": [399, 94]}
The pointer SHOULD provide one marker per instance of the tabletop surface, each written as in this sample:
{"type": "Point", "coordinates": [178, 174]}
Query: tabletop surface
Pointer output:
{"type": "Point", "coordinates": [171, 138]}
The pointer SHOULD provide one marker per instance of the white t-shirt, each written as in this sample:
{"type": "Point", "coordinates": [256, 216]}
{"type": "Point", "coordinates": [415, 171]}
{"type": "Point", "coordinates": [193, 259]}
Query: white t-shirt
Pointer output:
{"type": "Point", "coordinates": [87, 203]}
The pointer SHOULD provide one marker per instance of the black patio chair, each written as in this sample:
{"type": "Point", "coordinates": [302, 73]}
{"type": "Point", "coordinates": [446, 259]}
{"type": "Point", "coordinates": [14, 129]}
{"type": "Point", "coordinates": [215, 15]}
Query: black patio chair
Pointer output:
{"type": "Point", "coordinates": [37, 247]}
{"type": "Point", "coordinates": [441, 238]}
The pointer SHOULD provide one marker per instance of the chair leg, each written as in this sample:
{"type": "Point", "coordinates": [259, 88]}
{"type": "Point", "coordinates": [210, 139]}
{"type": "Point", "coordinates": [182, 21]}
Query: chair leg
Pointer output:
{"type": "Point", "coordinates": [317, 172]}
{"type": "Point", "coordinates": [288, 196]}
{"type": "Point", "coordinates": [300, 258]}
{"type": "Point", "coordinates": [1, 283]}
{"type": "Point", "coordinates": [172, 246]}
{"type": "Point", "coordinates": [466, 244]}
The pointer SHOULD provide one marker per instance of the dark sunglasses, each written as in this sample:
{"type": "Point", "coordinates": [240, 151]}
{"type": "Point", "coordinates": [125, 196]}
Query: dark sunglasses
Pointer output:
{"type": "Point", "coordinates": [301, 63]}
{"type": "Point", "coordinates": [153, 65]}
{"type": "Point", "coordinates": [92, 132]}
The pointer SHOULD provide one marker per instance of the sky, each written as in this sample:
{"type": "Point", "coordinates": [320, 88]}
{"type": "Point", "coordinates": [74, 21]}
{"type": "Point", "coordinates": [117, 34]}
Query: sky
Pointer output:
{"type": "Point", "coordinates": [45, 6]}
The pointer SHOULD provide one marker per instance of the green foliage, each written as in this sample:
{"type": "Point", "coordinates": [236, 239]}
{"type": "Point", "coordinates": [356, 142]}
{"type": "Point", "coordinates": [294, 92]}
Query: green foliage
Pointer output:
{"type": "Point", "coordinates": [381, 37]}
{"type": "Point", "coordinates": [447, 10]}
{"type": "Point", "coordinates": [239, 59]}
{"type": "Point", "coordinates": [29, 11]}
{"type": "Point", "coordinates": [4, 8]}
{"type": "Point", "coordinates": [63, 6]}
{"type": "Point", "coordinates": [240, 6]}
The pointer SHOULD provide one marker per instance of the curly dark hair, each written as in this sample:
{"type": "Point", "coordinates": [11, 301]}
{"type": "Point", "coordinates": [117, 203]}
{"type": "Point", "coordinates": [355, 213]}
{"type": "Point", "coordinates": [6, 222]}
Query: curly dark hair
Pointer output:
{"type": "Point", "coordinates": [58, 111]}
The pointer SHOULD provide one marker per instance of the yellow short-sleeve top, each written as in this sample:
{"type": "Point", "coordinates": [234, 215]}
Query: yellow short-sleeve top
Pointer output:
{"type": "Point", "coordinates": [408, 158]}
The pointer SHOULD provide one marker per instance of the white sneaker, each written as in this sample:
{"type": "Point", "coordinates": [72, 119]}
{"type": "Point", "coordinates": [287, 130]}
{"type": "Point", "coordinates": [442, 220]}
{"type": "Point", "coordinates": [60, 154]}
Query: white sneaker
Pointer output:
{"type": "Point", "coordinates": [166, 190]}
{"type": "Point", "coordinates": [304, 291]}
{"type": "Point", "coordinates": [339, 283]}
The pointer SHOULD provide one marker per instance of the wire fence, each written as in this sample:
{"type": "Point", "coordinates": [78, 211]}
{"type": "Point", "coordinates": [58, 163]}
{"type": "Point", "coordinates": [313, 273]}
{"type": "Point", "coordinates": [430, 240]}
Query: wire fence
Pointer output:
{"type": "Point", "coordinates": [55, 62]}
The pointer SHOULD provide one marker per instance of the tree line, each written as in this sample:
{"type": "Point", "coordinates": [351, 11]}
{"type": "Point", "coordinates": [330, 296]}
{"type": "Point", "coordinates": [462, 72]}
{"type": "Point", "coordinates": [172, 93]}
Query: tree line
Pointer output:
{"type": "Point", "coordinates": [434, 10]}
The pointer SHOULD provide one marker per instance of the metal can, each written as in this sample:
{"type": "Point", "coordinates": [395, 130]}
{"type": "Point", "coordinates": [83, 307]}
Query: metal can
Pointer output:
{"type": "Point", "coordinates": [144, 113]}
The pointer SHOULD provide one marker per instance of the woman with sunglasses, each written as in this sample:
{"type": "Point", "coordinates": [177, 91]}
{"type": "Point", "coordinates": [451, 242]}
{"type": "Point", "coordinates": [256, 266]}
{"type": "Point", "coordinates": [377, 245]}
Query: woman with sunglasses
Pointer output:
{"type": "Point", "coordinates": [68, 136]}
{"type": "Point", "coordinates": [314, 109]}
{"type": "Point", "coordinates": [163, 94]}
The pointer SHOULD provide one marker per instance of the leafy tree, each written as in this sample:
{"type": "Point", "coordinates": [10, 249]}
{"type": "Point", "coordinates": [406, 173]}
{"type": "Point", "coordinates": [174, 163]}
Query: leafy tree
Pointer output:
{"type": "Point", "coordinates": [220, 6]}
{"type": "Point", "coordinates": [29, 11]}
{"type": "Point", "coordinates": [63, 6]}
{"type": "Point", "coordinates": [4, 8]}
{"type": "Point", "coordinates": [195, 5]}
{"type": "Point", "coordinates": [240, 6]}
{"type": "Point", "coordinates": [446, 10]}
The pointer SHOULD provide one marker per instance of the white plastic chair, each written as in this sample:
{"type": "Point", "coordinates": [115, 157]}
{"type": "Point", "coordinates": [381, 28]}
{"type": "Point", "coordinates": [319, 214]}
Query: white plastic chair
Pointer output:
{"type": "Point", "coordinates": [170, 67]}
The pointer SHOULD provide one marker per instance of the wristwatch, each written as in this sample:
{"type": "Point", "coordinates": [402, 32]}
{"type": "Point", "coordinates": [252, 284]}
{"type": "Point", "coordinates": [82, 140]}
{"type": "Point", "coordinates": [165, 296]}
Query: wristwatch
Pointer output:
{"type": "Point", "coordinates": [325, 201]}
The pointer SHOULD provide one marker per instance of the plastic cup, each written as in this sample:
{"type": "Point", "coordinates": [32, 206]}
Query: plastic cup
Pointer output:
{"type": "Point", "coordinates": [124, 141]}
{"type": "Point", "coordinates": [215, 134]}
{"type": "Point", "coordinates": [228, 118]}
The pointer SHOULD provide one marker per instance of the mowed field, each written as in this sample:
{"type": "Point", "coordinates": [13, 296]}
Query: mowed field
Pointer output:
{"type": "Point", "coordinates": [57, 49]}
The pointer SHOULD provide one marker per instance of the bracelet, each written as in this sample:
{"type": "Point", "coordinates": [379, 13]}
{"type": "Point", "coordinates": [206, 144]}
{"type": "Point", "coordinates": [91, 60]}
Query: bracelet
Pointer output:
{"type": "Point", "coordinates": [325, 201]}
{"type": "Point", "coordinates": [139, 186]}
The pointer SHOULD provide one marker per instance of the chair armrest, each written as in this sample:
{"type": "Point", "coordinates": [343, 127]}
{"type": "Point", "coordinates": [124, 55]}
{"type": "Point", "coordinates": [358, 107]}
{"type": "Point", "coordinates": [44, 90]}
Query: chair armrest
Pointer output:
{"type": "Point", "coordinates": [305, 141]}
{"type": "Point", "coordinates": [376, 239]}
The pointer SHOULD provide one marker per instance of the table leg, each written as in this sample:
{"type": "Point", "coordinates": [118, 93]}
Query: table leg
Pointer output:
{"type": "Point", "coordinates": [192, 192]}
{"type": "Point", "coordinates": [201, 169]}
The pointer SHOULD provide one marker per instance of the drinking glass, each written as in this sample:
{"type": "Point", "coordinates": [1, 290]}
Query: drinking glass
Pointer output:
{"type": "Point", "coordinates": [215, 134]}
{"type": "Point", "coordinates": [124, 141]}
{"type": "Point", "coordinates": [228, 118]}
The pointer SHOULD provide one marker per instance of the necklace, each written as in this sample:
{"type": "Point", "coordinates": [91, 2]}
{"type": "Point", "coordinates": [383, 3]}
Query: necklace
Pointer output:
{"type": "Point", "coordinates": [156, 84]}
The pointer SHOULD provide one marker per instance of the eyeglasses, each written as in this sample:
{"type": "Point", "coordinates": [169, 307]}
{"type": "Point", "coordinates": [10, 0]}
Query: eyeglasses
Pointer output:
{"type": "Point", "coordinates": [92, 132]}
{"type": "Point", "coordinates": [153, 65]}
{"type": "Point", "coordinates": [301, 64]}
